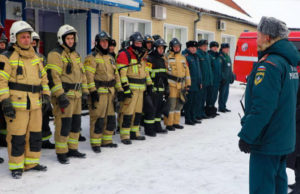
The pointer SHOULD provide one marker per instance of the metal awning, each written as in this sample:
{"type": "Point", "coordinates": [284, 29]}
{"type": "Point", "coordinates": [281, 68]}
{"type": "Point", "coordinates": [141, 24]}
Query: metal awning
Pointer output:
{"type": "Point", "coordinates": [106, 6]}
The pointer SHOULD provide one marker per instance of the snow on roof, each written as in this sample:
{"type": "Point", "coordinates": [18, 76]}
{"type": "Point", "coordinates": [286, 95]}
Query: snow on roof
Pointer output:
{"type": "Point", "coordinates": [214, 6]}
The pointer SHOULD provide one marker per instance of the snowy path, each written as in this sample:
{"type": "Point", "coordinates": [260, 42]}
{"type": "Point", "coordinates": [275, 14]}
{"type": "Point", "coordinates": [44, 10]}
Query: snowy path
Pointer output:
{"type": "Point", "coordinates": [204, 159]}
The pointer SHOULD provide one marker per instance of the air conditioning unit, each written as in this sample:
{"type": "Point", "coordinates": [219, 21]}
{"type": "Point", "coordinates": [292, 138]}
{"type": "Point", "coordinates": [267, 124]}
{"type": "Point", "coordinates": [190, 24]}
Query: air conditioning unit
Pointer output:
{"type": "Point", "coordinates": [159, 12]}
{"type": "Point", "coordinates": [221, 25]}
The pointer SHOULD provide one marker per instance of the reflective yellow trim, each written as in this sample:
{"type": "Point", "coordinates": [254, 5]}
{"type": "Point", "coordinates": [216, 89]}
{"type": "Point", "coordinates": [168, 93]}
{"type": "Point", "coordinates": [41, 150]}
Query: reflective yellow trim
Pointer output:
{"type": "Point", "coordinates": [35, 61]}
{"type": "Point", "coordinates": [72, 141]}
{"type": "Point", "coordinates": [96, 141]}
{"type": "Point", "coordinates": [16, 63]}
{"type": "Point", "coordinates": [99, 60]}
{"type": "Point", "coordinates": [159, 89]}
{"type": "Point", "coordinates": [83, 69]}
{"type": "Point", "coordinates": [124, 79]}
{"type": "Point", "coordinates": [64, 59]}
{"type": "Point", "coordinates": [19, 104]}
{"type": "Point", "coordinates": [46, 138]}
{"type": "Point", "coordinates": [107, 137]}
{"type": "Point", "coordinates": [14, 166]}
{"type": "Point", "coordinates": [70, 93]}
{"type": "Point", "coordinates": [125, 131]}
{"type": "Point", "coordinates": [149, 121]}
{"type": "Point", "coordinates": [54, 67]}
{"type": "Point", "coordinates": [121, 66]}
{"type": "Point", "coordinates": [78, 60]}
{"type": "Point", "coordinates": [137, 86]}
{"type": "Point", "coordinates": [118, 85]}
{"type": "Point", "coordinates": [133, 61]}
{"type": "Point", "coordinates": [4, 91]}
{"type": "Point", "coordinates": [103, 90]}
{"type": "Point", "coordinates": [32, 160]}
{"type": "Point", "coordinates": [45, 88]}
{"type": "Point", "coordinates": [61, 145]}
{"type": "Point", "coordinates": [90, 69]}
{"type": "Point", "coordinates": [134, 129]}
{"type": "Point", "coordinates": [84, 86]}
{"type": "Point", "coordinates": [43, 72]}
{"type": "Point", "coordinates": [5, 75]}
{"type": "Point", "coordinates": [90, 85]}
{"type": "Point", "coordinates": [38, 102]}
{"type": "Point", "coordinates": [56, 88]}
{"type": "Point", "coordinates": [157, 119]}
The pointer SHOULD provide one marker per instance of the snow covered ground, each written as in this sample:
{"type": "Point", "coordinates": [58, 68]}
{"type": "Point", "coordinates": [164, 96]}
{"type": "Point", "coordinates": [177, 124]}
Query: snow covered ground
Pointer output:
{"type": "Point", "coordinates": [203, 159]}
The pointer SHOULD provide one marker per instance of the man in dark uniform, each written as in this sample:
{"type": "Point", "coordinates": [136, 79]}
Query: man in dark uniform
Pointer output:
{"type": "Point", "coordinates": [268, 127]}
{"type": "Point", "coordinates": [111, 47]}
{"type": "Point", "coordinates": [226, 77]}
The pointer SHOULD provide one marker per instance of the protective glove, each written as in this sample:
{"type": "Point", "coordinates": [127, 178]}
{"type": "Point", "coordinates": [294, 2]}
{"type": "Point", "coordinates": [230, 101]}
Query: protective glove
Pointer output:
{"type": "Point", "coordinates": [120, 96]}
{"type": "Point", "coordinates": [84, 100]}
{"type": "Point", "coordinates": [63, 101]}
{"type": "Point", "coordinates": [46, 104]}
{"type": "Point", "coordinates": [94, 98]}
{"type": "Point", "coordinates": [244, 147]}
{"type": "Point", "coordinates": [127, 92]}
{"type": "Point", "coordinates": [8, 109]}
{"type": "Point", "coordinates": [149, 90]}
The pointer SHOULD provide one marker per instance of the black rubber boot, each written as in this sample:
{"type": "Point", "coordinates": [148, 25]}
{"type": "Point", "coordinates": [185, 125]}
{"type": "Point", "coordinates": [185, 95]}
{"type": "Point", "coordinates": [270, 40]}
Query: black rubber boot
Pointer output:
{"type": "Point", "coordinates": [48, 145]}
{"type": "Point", "coordinates": [176, 126]}
{"type": "Point", "coordinates": [63, 158]}
{"type": "Point", "coordinates": [96, 149]}
{"type": "Point", "coordinates": [38, 168]}
{"type": "Point", "coordinates": [134, 137]}
{"type": "Point", "coordinates": [227, 110]}
{"type": "Point", "coordinates": [110, 145]}
{"type": "Point", "coordinates": [17, 174]}
{"type": "Point", "coordinates": [188, 122]}
{"type": "Point", "coordinates": [75, 154]}
{"type": "Point", "coordinates": [81, 138]}
{"type": "Point", "coordinates": [150, 133]}
{"type": "Point", "coordinates": [197, 121]}
{"type": "Point", "coordinates": [159, 129]}
{"type": "Point", "coordinates": [126, 141]}
{"type": "Point", "coordinates": [170, 128]}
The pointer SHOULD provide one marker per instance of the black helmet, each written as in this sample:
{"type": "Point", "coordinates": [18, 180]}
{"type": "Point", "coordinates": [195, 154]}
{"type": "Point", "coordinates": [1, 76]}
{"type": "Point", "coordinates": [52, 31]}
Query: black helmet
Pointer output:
{"type": "Point", "coordinates": [173, 43]}
{"type": "Point", "coordinates": [102, 35]}
{"type": "Point", "coordinates": [202, 42]}
{"type": "Point", "coordinates": [125, 44]}
{"type": "Point", "coordinates": [136, 37]}
{"type": "Point", "coordinates": [160, 42]}
{"type": "Point", "coordinates": [148, 38]}
{"type": "Point", "coordinates": [213, 44]}
{"type": "Point", "coordinates": [3, 38]}
{"type": "Point", "coordinates": [112, 42]}
{"type": "Point", "coordinates": [156, 37]}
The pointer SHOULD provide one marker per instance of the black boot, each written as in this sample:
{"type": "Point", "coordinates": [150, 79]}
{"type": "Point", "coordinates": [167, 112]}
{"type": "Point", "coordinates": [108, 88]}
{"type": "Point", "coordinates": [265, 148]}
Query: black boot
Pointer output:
{"type": "Point", "coordinates": [75, 154]}
{"type": "Point", "coordinates": [159, 129]}
{"type": "Point", "coordinates": [170, 128]}
{"type": "Point", "coordinates": [177, 126]}
{"type": "Point", "coordinates": [1, 160]}
{"type": "Point", "coordinates": [126, 141]}
{"type": "Point", "coordinates": [292, 186]}
{"type": "Point", "coordinates": [134, 137]}
{"type": "Point", "coordinates": [110, 145]}
{"type": "Point", "coordinates": [197, 121]}
{"type": "Point", "coordinates": [17, 174]}
{"type": "Point", "coordinates": [150, 133]}
{"type": "Point", "coordinates": [227, 110]}
{"type": "Point", "coordinates": [296, 189]}
{"type": "Point", "coordinates": [96, 149]}
{"type": "Point", "coordinates": [48, 145]}
{"type": "Point", "coordinates": [189, 122]}
{"type": "Point", "coordinates": [63, 158]}
{"type": "Point", "coordinates": [38, 168]}
{"type": "Point", "coordinates": [81, 138]}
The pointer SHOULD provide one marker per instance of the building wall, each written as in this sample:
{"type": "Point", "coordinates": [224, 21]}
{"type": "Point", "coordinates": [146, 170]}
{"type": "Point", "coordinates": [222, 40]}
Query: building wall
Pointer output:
{"type": "Point", "coordinates": [181, 17]}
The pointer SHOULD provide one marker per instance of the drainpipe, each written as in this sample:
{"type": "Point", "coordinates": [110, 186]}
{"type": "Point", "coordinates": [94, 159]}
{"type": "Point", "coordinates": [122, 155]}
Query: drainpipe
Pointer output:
{"type": "Point", "coordinates": [195, 24]}
{"type": "Point", "coordinates": [111, 24]}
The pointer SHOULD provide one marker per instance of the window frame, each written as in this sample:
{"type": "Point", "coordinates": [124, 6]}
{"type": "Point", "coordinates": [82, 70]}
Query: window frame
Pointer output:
{"type": "Point", "coordinates": [211, 35]}
{"type": "Point", "coordinates": [232, 44]}
{"type": "Point", "coordinates": [185, 28]}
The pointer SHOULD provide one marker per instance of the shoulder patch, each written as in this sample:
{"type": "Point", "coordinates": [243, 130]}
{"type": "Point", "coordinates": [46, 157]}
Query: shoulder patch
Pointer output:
{"type": "Point", "coordinates": [261, 68]}
{"type": "Point", "coordinates": [259, 76]}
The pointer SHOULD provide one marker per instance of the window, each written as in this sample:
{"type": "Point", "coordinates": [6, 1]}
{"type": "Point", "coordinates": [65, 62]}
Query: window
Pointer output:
{"type": "Point", "coordinates": [172, 31]}
{"type": "Point", "coordinates": [130, 25]}
{"type": "Point", "coordinates": [209, 36]}
{"type": "Point", "coordinates": [231, 41]}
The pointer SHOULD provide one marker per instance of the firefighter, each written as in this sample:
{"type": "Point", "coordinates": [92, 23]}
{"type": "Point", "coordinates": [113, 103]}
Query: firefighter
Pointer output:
{"type": "Point", "coordinates": [134, 78]}
{"type": "Point", "coordinates": [46, 131]}
{"type": "Point", "coordinates": [269, 126]}
{"type": "Point", "coordinates": [179, 82]}
{"type": "Point", "coordinates": [226, 77]}
{"type": "Point", "coordinates": [3, 132]}
{"type": "Point", "coordinates": [148, 43]}
{"type": "Point", "coordinates": [216, 64]}
{"type": "Point", "coordinates": [190, 109]}
{"type": "Point", "coordinates": [68, 85]}
{"type": "Point", "coordinates": [111, 47]}
{"type": "Point", "coordinates": [23, 91]}
{"type": "Point", "coordinates": [207, 77]}
{"type": "Point", "coordinates": [103, 81]}
{"type": "Point", "coordinates": [153, 109]}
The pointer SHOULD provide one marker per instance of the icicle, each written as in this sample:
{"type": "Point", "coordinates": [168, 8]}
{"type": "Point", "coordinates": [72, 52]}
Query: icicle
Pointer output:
{"type": "Point", "coordinates": [57, 6]}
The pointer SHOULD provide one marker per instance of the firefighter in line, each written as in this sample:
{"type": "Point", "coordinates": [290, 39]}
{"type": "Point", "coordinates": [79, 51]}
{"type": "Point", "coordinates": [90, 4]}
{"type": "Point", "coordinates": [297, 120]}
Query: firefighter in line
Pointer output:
{"type": "Point", "coordinates": [207, 77]}
{"type": "Point", "coordinates": [227, 77]}
{"type": "Point", "coordinates": [46, 130]}
{"type": "Point", "coordinates": [23, 91]}
{"type": "Point", "coordinates": [179, 83]}
{"type": "Point", "coordinates": [135, 80]}
{"type": "Point", "coordinates": [216, 64]}
{"type": "Point", "coordinates": [112, 45]}
{"type": "Point", "coordinates": [68, 85]}
{"type": "Point", "coordinates": [103, 83]}
{"type": "Point", "coordinates": [193, 60]}
{"type": "Point", "coordinates": [3, 132]}
{"type": "Point", "coordinates": [153, 109]}
{"type": "Point", "coordinates": [148, 43]}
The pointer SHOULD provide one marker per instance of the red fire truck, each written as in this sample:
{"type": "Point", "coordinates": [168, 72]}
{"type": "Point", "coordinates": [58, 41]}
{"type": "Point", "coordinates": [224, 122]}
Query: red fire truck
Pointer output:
{"type": "Point", "coordinates": [246, 53]}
